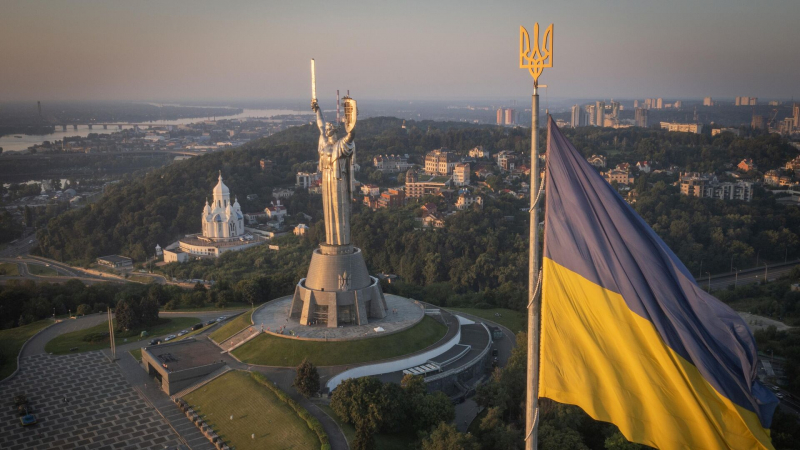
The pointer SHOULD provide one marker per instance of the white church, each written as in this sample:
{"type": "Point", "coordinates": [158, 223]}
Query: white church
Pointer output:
{"type": "Point", "coordinates": [222, 230]}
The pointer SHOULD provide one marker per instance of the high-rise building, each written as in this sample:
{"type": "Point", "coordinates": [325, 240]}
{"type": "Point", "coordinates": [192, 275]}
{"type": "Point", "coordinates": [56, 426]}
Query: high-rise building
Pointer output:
{"type": "Point", "coordinates": [500, 116]}
{"type": "Point", "coordinates": [635, 104]}
{"type": "Point", "coordinates": [708, 101]}
{"type": "Point", "coordinates": [614, 109]}
{"type": "Point", "coordinates": [677, 104]}
{"type": "Point", "coordinates": [591, 115]}
{"type": "Point", "coordinates": [600, 110]}
{"type": "Point", "coordinates": [578, 115]}
{"type": "Point", "coordinates": [660, 103]}
{"type": "Point", "coordinates": [509, 116]}
{"type": "Point", "coordinates": [758, 122]}
{"type": "Point", "coordinates": [641, 117]}
{"type": "Point", "coordinates": [796, 115]}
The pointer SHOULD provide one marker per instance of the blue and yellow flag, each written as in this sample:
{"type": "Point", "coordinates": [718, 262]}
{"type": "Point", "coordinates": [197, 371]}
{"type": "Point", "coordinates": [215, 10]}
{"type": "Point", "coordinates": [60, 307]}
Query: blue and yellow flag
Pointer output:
{"type": "Point", "coordinates": [627, 335]}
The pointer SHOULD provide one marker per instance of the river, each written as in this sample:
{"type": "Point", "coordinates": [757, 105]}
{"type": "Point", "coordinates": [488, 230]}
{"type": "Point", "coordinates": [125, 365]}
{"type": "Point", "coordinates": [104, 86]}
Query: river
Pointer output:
{"type": "Point", "coordinates": [11, 143]}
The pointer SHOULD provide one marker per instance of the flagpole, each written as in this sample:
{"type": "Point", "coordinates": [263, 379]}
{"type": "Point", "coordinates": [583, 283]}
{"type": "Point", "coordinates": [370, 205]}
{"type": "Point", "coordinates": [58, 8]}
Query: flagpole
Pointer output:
{"type": "Point", "coordinates": [532, 394]}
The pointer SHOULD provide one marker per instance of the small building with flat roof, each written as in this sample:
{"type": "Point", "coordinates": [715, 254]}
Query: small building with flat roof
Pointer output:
{"type": "Point", "coordinates": [115, 262]}
{"type": "Point", "coordinates": [179, 365]}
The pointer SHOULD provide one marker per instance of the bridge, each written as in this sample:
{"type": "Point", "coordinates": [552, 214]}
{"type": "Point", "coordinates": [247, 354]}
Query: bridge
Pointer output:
{"type": "Point", "coordinates": [118, 125]}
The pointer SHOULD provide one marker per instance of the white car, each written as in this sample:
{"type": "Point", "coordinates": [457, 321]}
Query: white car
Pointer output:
{"type": "Point", "coordinates": [169, 338]}
{"type": "Point", "coordinates": [183, 332]}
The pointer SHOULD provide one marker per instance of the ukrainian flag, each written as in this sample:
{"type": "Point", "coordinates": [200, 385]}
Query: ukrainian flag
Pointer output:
{"type": "Point", "coordinates": [627, 335]}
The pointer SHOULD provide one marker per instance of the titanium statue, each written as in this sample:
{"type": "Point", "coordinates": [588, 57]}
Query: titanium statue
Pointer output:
{"type": "Point", "coordinates": [336, 160]}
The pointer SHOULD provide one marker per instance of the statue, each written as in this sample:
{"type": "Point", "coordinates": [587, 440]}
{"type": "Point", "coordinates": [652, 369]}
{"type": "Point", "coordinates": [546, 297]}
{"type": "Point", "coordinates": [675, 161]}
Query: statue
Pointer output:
{"type": "Point", "coordinates": [336, 159]}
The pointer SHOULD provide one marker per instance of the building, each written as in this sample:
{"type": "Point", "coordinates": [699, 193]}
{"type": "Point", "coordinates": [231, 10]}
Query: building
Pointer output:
{"type": "Point", "coordinates": [416, 188]}
{"type": "Point", "coordinates": [266, 165]}
{"type": "Point", "coordinates": [392, 198]}
{"type": "Point", "coordinates": [282, 193]}
{"type": "Point", "coordinates": [717, 131]}
{"type": "Point", "coordinates": [787, 125]}
{"type": "Point", "coordinates": [507, 160]}
{"type": "Point", "coordinates": [772, 178]}
{"type": "Point", "coordinates": [440, 162]}
{"type": "Point", "coordinates": [708, 101]}
{"type": "Point", "coordinates": [461, 174]}
{"type": "Point", "coordinates": [509, 116]}
{"type": "Point", "coordinates": [391, 163]}
{"type": "Point", "coordinates": [370, 189]}
{"type": "Point", "coordinates": [578, 117]}
{"type": "Point", "coordinates": [500, 116]}
{"type": "Point", "coordinates": [300, 230]}
{"type": "Point", "coordinates": [707, 186]}
{"type": "Point", "coordinates": [306, 179]}
{"type": "Point", "coordinates": [176, 255]}
{"type": "Point", "coordinates": [116, 262]}
{"type": "Point", "coordinates": [591, 115]}
{"type": "Point", "coordinates": [640, 117]}
{"type": "Point", "coordinates": [796, 115]}
{"type": "Point", "coordinates": [479, 152]}
{"type": "Point", "coordinates": [695, 128]}
{"type": "Point", "coordinates": [746, 165]}
{"type": "Point", "coordinates": [275, 211]}
{"type": "Point", "coordinates": [466, 200]}
{"type": "Point", "coordinates": [621, 176]}
{"type": "Point", "coordinates": [758, 122]}
{"type": "Point", "coordinates": [598, 161]}
{"type": "Point", "coordinates": [746, 101]}
{"type": "Point", "coordinates": [434, 220]}
{"type": "Point", "coordinates": [222, 228]}
{"type": "Point", "coordinates": [643, 166]}
{"type": "Point", "coordinates": [600, 110]}
{"type": "Point", "coordinates": [660, 103]}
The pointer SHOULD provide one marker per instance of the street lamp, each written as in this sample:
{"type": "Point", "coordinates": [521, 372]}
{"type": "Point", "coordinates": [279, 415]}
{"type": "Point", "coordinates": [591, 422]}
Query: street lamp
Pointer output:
{"type": "Point", "coordinates": [709, 281]}
{"type": "Point", "coordinates": [766, 271]}
{"type": "Point", "coordinates": [736, 280]}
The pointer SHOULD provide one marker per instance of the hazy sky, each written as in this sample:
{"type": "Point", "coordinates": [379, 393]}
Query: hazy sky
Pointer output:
{"type": "Point", "coordinates": [173, 50]}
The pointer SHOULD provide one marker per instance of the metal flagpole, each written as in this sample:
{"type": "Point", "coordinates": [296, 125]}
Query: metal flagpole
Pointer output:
{"type": "Point", "coordinates": [535, 60]}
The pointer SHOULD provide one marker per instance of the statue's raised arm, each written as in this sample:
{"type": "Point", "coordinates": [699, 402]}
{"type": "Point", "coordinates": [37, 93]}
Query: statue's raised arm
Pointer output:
{"type": "Point", "coordinates": [320, 120]}
{"type": "Point", "coordinates": [350, 118]}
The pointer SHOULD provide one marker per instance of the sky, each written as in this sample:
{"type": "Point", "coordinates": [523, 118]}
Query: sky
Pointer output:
{"type": "Point", "coordinates": [196, 50]}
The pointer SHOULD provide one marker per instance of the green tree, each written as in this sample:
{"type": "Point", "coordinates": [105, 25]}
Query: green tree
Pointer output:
{"type": "Point", "coordinates": [618, 442]}
{"type": "Point", "coordinates": [307, 379]}
{"type": "Point", "coordinates": [148, 310]}
{"type": "Point", "coordinates": [125, 315]}
{"type": "Point", "coordinates": [446, 437]}
{"type": "Point", "coordinates": [83, 309]}
{"type": "Point", "coordinates": [365, 436]}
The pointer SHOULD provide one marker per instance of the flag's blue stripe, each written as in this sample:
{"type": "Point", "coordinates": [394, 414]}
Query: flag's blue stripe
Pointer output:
{"type": "Point", "coordinates": [592, 231]}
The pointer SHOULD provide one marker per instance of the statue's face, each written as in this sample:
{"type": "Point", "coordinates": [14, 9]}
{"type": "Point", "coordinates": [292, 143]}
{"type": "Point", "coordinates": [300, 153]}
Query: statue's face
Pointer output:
{"type": "Point", "coordinates": [330, 131]}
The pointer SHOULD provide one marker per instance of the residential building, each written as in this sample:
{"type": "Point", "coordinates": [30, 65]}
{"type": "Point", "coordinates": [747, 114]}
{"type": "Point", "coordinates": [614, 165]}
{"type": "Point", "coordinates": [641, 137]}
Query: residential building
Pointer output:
{"type": "Point", "coordinates": [440, 162]}
{"type": "Point", "coordinates": [266, 165]}
{"type": "Point", "coordinates": [467, 200]}
{"type": "Point", "coordinates": [621, 176]}
{"type": "Point", "coordinates": [510, 116]}
{"type": "Point", "coordinates": [796, 115]}
{"type": "Point", "coordinates": [758, 122]}
{"type": "Point", "coordinates": [300, 230]}
{"type": "Point", "coordinates": [708, 101]}
{"type": "Point", "coordinates": [716, 131]}
{"type": "Point", "coordinates": [461, 174]}
{"type": "Point", "coordinates": [707, 186]}
{"type": "Point", "coordinates": [660, 103]}
{"type": "Point", "coordinates": [282, 193]}
{"type": "Point", "coordinates": [391, 163]}
{"type": "Point", "coordinates": [371, 190]}
{"type": "Point", "coordinates": [429, 185]}
{"type": "Point", "coordinates": [500, 116]}
{"type": "Point", "coordinates": [600, 110]}
{"type": "Point", "coordinates": [507, 160]}
{"type": "Point", "coordinates": [598, 161]}
{"type": "Point", "coordinates": [276, 211]}
{"type": "Point", "coordinates": [772, 178]}
{"type": "Point", "coordinates": [433, 221]}
{"type": "Point", "coordinates": [643, 166]}
{"type": "Point", "coordinates": [640, 115]}
{"type": "Point", "coordinates": [591, 114]}
{"type": "Point", "coordinates": [479, 152]}
{"type": "Point", "coordinates": [578, 117]}
{"type": "Point", "coordinates": [696, 128]}
{"type": "Point", "coordinates": [176, 255]}
{"type": "Point", "coordinates": [746, 165]}
{"type": "Point", "coordinates": [392, 198]}
{"type": "Point", "coordinates": [306, 179]}
{"type": "Point", "coordinates": [429, 208]}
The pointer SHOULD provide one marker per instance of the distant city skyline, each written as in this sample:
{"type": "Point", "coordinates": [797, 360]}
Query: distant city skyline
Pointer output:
{"type": "Point", "coordinates": [187, 51]}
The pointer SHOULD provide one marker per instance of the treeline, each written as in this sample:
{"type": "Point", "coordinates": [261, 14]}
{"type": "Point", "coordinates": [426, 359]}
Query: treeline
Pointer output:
{"type": "Point", "coordinates": [25, 301]}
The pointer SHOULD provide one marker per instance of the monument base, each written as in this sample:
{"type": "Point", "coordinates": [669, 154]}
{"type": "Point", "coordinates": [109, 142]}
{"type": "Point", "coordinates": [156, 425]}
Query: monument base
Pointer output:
{"type": "Point", "coordinates": [338, 290]}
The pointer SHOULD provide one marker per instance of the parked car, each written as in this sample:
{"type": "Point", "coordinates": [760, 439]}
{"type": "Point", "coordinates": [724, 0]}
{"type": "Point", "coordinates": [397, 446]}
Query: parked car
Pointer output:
{"type": "Point", "coordinates": [211, 322]}
{"type": "Point", "coordinates": [197, 326]}
{"type": "Point", "coordinates": [155, 341]}
{"type": "Point", "coordinates": [170, 337]}
{"type": "Point", "coordinates": [494, 351]}
{"type": "Point", "coordinates": [183, 332]}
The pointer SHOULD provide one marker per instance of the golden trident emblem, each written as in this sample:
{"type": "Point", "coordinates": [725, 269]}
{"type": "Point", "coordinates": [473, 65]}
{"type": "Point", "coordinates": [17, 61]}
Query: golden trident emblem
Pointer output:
{"type": "Point", "coordinates": [535, 61]}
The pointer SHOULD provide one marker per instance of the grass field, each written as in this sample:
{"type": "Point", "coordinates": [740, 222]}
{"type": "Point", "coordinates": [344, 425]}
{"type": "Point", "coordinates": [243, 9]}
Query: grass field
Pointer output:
{"type": "Point", "coordinates": [38, 269]}
{"type": "Point", "coordinates": [382, 441]}
{"type": "Point", "coordinates": [233, 326]}
{"type": "Point", "coordinates": [11, 341]}
{"type": "Point", "coordinates": [513, 320]}
{"type": "Point", "coordinates": [9, 269]}
{"type": "Point", "coordinates": [141, 279]}
{"type": "Point", "coordinates": [255, 410]}
{"type": "Point", "coordinates": [61, 344]}
{"type": "Point", "coordinates": [271, 350]}
{"type": "Point", "coordinates": [136, 353]}
{"type": "Point", "coordinates": [229, 306]}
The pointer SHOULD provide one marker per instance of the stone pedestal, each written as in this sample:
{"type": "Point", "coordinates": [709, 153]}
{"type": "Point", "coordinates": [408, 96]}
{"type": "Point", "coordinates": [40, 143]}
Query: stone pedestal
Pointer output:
{"type": "Point", "coordinates": [338, 290]}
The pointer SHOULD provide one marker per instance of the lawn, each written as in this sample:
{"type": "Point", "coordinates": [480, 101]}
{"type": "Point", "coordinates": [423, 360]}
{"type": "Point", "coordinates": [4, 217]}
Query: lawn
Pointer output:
{"type": "Point", "coordinates": [233, 326]}
{"type": "Point", "coordinates": [271, 350]}
{"type": "Point", "coordinates": [229, 306]}
{"type": "Point", "coordinates": [255, 410]}
{"type": "Point", "coordinates": [513, 320]}
{"type": "Point", "coordinates": [38, 269]}
{"type": "Point", "coordinates": [136, 353]}
{"type": "Point", "coordinates": [11, 341]}
{"type": "Point", "coordinates": [9, 269]}
{"type": "Point", "coordinates": [382, 441]}
{"type": "Point", "coordinates": [79, 339]}
{"type": "Point", "coordinates": [142, 279]}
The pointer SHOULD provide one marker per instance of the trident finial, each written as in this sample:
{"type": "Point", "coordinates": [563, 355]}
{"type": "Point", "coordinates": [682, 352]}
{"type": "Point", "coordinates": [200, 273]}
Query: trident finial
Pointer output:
{"type": "Point", "coordinates": [535, 59]}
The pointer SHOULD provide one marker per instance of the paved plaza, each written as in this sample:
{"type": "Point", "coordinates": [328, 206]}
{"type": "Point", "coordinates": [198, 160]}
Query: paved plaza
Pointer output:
{"type": "Point", "coordinates": [274, 317]}
{"type": "Point", "coordinates": [102, 410]}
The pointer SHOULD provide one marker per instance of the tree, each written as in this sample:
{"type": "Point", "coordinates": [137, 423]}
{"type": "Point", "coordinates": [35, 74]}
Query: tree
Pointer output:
{"type": "Point", "coordinates": [148, 310]}
{"type": "Point", "coordinates": [83, 309]}
{"type": "Point", "coordinates": [446, 437]}
{"type": "Point", "coordinates": [365, 436]}
{"type": "Point", "coordinates": [618, 442]}
{"type": "Point", "coordinates": [126, 316]}
{"type": "Point", "coordinates": [307, 379]}
{"type": "Point", "coordinates": [431, 410]}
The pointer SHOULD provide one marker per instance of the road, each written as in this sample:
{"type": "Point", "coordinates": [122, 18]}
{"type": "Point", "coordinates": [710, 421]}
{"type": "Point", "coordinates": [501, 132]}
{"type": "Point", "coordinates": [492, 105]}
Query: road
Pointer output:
{"type": "Point", "coordinates": [748, 276]}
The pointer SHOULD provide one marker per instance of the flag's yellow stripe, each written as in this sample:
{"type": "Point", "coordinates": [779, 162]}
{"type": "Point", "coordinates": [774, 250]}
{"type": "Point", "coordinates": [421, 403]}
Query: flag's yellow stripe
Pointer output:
{"type": "Point", "coordinates": [599, 355]}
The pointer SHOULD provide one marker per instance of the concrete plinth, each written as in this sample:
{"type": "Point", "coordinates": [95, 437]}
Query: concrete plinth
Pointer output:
{"type": "Point", "coordinates": [338, 290]}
